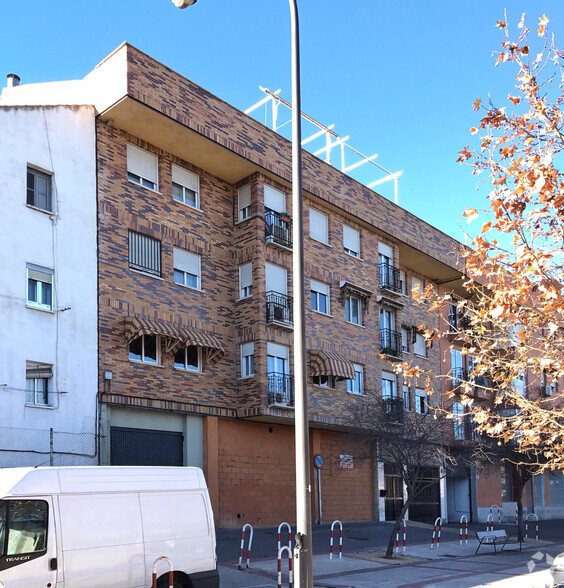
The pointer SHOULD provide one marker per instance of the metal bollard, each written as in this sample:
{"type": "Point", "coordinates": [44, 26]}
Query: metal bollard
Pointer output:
{"type": "Point", "coordinates": [248, 547]}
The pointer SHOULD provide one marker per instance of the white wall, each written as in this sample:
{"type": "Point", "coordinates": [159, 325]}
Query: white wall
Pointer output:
{"type": "Point", "coordinates": [60, 140]}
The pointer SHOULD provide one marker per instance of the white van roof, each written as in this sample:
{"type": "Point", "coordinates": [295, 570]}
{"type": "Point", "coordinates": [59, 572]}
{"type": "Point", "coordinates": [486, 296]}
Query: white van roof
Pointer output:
{"type": "Point", "coordinates": [83, 480]}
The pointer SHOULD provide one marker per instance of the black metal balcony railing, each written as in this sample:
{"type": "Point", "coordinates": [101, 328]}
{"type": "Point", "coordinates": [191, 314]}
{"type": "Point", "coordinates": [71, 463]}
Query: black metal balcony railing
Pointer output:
{"type": "Point", "coordinates": [393, 407]}
{"type": "Point", "coordinates": [280, 389]}
{"type": "Point", "coordinates": [278, 308]}
{"type": "Point", "coordinates": [459, 375]}
{"type": "Point", "coordinates": [465, 429]}
{"type": "Point", "coordinates": [458, 322]}
{"type": "Point", "coordinates": [389, 277]}
{"type": "Point", "coordinates": [391, 342]}
{"type": "Point", "coordinates": [278, 228]}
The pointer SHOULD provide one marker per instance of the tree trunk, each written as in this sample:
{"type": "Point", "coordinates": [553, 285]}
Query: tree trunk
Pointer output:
{"type": "Point", "coordinates": [520, 486]}
{"type": "Point", "coordinates": [396, 529]}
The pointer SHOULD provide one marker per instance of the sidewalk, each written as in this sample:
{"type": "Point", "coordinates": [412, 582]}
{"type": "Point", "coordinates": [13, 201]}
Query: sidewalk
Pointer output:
{"type": "Point", "coordinates": [449, 565]}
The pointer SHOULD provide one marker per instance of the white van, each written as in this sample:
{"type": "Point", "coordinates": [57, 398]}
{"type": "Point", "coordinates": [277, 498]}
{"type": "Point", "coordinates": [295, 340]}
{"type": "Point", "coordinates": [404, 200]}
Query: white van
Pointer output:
{"type": "Point", "coordinates": [90, 527]}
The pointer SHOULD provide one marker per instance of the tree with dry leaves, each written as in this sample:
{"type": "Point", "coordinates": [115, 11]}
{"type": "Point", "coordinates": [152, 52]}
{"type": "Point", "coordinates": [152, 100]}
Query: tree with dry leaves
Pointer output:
{"type": "Point", "coordinates": [411, 443]}
{"type": "Point", "coordinates": [510, 314]}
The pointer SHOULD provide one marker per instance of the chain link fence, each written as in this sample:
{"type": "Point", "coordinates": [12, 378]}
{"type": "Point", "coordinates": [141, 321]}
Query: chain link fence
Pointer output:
{"type": "Point", "coordinates": [43, 447]}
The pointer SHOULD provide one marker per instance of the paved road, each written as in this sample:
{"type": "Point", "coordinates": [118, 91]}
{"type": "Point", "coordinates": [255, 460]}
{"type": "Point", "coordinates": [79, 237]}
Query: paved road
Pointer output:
{"type": "Point", "coordinates": [362, 565]}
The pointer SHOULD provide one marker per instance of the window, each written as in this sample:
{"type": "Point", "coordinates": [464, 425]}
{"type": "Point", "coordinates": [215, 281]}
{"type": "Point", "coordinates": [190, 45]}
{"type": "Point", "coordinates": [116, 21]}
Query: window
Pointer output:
{"type": "Point", "coordinates": [23, 529]}
{"type": "Point", "coordinates": [356, 386]}
{"type": "Point", "coordinates": [39, 287]}
{"type": "Point", "coordinates": [385, 255]}
{"type": "Point", "coordinates": [417, 285]}
{"type": "Point", "coordinates": [39, 190]}
{"type": "Point", "coordinates": [420, 401]}
{"type": "Point", "coordinates": [188, 358]}
{"type": "Point", "coordinates": [324, 381]}
{"type": "Point", "coordinates": [402, 282]}
{"type": "Point", "coordinates": [458, 421]}
{"type": "Point", "coordinates": [144, 254]}
{"type": "Point", "coordinates": [187, 271]}
{"type": "Point", "coordinates": [185, 187]}
{"type": "Point", "coordinates": [319, 297]}
{"type": "Point", "coordinates": [245, 280]}
{"type": "Point", "coordinates": [145, 348]}
{"type": "Point", "coordinates": [247, 360]}
{"type": "Point", "coordinates": [388, 385]}
{"type": "Point", "coordinates": [351, 241]}
{"type": "Point", "coordinates": [353, 313]}
{"type": "Point", "coordinates": [519, 384]}
{"type": "Point", "coordinates": [37, 382]}
{"type": "Point", "coordinates": [318, 226]}
{"type": "Point", "coordinates": [420, 346]}
{"type": "Point", "coordinates": [274, 199]}
{"type": "Point", "coordinates": [404, 340]}
{"type": "Point", "coordinates": [279, 380]}
{"type": "Point", "coordinates": [555, 488]}
{"type": "Point", "coordinates": [244, 202]}
{"type": "Point", "coordinates": [406, 397]}
{"type": "Point", "coordinates": [142, 167]}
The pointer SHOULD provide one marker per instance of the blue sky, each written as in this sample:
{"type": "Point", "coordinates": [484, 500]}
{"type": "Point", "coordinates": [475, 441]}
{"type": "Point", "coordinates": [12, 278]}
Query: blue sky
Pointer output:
{"type": "Point", "coordinates": [398, 77]}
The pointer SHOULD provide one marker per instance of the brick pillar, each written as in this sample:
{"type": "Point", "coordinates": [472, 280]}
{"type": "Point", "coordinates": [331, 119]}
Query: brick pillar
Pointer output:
{"type": "Point", "coordinates": [211, 462]}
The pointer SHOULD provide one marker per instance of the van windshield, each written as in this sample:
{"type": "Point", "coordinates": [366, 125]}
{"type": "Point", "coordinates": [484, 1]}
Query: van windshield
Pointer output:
{"type": "Point", "coordinates": [23, 526]}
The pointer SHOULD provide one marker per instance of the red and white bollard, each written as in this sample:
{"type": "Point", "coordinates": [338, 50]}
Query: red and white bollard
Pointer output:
{"type": "Point", "coordinates": [248, 546]}
{"type": "Point", "coordinates": [289, 534]}
{"type": "Point", "coordinates": [498, 513]}
{"type": "Point", "coordinates": [290, 578]}
{"type": "Point", "coordinates": [489, 522]}
{"type": "Point", "coordinates": [170, 571]}
{"type": "Point", "coordinates": [464, 519]}
{"type": "Point", "coordinates": [340, 539]}
{"type": "Point", "coordinates": [536, 519]}
{"type": "Point", "coordinates": [438, 522]}
{"type": "Point", "coordinates": [404, 537]}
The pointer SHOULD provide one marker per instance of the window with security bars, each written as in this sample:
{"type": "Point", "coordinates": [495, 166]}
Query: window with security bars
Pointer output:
{"type": "Point", "coordinates": [144, 254]}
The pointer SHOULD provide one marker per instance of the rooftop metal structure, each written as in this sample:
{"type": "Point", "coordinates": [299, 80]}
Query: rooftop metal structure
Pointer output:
{"type": "Point", "coordinates": [324, 135]}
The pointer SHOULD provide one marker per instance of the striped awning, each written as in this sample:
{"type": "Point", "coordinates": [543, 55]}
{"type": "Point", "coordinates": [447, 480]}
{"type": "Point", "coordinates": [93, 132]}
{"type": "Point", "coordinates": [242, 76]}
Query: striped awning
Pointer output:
{"type": "Point", "coordinates": [206, 341]}
{"type": "Point", "coordinates": [327, 363]}
{"type": "Point", "coordinates": [136, 326]}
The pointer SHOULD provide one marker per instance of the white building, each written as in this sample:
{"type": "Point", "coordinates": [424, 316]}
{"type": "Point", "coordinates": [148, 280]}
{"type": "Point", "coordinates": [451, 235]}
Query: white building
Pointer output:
{"type": "Point", "coordinates": [48, 284]}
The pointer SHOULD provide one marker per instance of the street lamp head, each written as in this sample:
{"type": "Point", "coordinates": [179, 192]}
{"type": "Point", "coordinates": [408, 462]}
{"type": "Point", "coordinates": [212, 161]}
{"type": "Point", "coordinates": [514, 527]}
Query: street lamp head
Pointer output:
{"type": "Point", "coordinates": [183, 3]}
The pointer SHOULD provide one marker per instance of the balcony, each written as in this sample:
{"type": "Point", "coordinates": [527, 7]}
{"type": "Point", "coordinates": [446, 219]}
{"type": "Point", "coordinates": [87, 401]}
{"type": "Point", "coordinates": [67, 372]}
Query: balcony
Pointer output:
{"type": "Point", "coordinates": [393, 407]}
{"type": "Point", "coordinates": [458, 322]}
{"type": "Point", "coordinates": [280, 389]}
{"type": "Point", "coordinates": [480, 385]}
{"type": "Point", "coordinates": [391, 343]}
{"type": "Point", "coordinates": [389, 278]}
{"type": "Point", "coordinates": [279, 310]}
{"type": "Point", "coordinates": [465, 429]}
{"type": "Point", "coordinates": [278, 229]}
{"type": "Point", "coordinates": [458, 375]}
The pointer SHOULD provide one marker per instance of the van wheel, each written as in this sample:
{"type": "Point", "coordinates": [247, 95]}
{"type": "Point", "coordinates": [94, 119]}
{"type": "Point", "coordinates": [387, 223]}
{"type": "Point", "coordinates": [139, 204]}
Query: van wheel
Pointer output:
{"type": "Point", "coordinates": [162, 582]}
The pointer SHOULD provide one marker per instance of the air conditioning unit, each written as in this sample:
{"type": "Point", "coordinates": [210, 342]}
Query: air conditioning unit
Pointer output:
{"type": "Point", "coordinates": [546, 390]}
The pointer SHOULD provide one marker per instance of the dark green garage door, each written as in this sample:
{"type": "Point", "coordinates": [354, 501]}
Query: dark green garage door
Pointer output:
{"type": "Point", "coordinates": [146, 447]}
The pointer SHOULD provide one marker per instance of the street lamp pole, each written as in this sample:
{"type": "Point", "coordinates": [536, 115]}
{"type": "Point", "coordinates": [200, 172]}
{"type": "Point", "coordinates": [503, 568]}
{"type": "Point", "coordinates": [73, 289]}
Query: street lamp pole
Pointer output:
{"type": "Point", "coordinates": [303, 554]}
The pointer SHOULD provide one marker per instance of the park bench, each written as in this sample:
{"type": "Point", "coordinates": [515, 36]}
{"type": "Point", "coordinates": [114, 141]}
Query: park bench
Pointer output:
{"type": "Point", "coordinates": [495, 538]}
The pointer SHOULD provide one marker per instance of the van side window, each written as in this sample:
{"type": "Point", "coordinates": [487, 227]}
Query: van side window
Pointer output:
{"type": "Point", "coordinates": [23, 527]}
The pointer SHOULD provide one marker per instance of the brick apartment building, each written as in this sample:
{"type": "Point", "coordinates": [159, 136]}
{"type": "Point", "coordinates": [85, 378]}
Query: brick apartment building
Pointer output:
{"type": "Point", "coordinates": [195, 289]}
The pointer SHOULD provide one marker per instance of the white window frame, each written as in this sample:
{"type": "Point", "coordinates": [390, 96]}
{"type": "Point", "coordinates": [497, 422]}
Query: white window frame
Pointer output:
{"type": "Point", "coordinates": [319, 226]}
{"type": "Point", "coordinates": [351, 241]}
{"type": "Point", "coordinates": [36, 273]}
{"type": "Point", "coordinates": [274, 199]}
{"type": "Point", "coordinates": [189, 183]}
{"type": "Point", "coordinates": [404, 340]}
{"type": "Point", "coordinates": [143, 358]}
{"type": "Point", "coordinates": [246, 280]}
{"type": "Point", "coordinates": [420, 345]}
{"type": "Point", "coordinates": [406, 397]}
{"type": "Point", "coordinates": [389, 385]}
{"type": "Point", "coordinates": [185, 366]}
{"type": "Point", "coordinates": [348, 310]}
{"type": "Point", "coordinates": [185, 264]}
{"type": "Point", "coordinates": [244, 208]}
{"type": "Point", "coordinates": [417, 285]}
{"type": "Point", "coordinates": [37, 386]}
{"type": "Point", "coordinates": [421, 401]}
{"type": "Point", "coordinates": [324, 381]}
{"type": "Point", "coordinates": [356, 386]}
{"type": "Point", "coordinates": [32, 192]}
{"type": "Point", "coordinates": [319, 290]}
{"type": "Point", "coordinates": [139, 164]}
{"type": "Point", "coordinates": [248, 359]}
{"type": "Point", "coordinates": [458, 421]}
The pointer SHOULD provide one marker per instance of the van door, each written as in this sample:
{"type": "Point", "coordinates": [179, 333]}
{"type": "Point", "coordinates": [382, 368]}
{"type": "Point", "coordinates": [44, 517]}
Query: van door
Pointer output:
{"type": "Point", "coordinates": [28, 549]}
